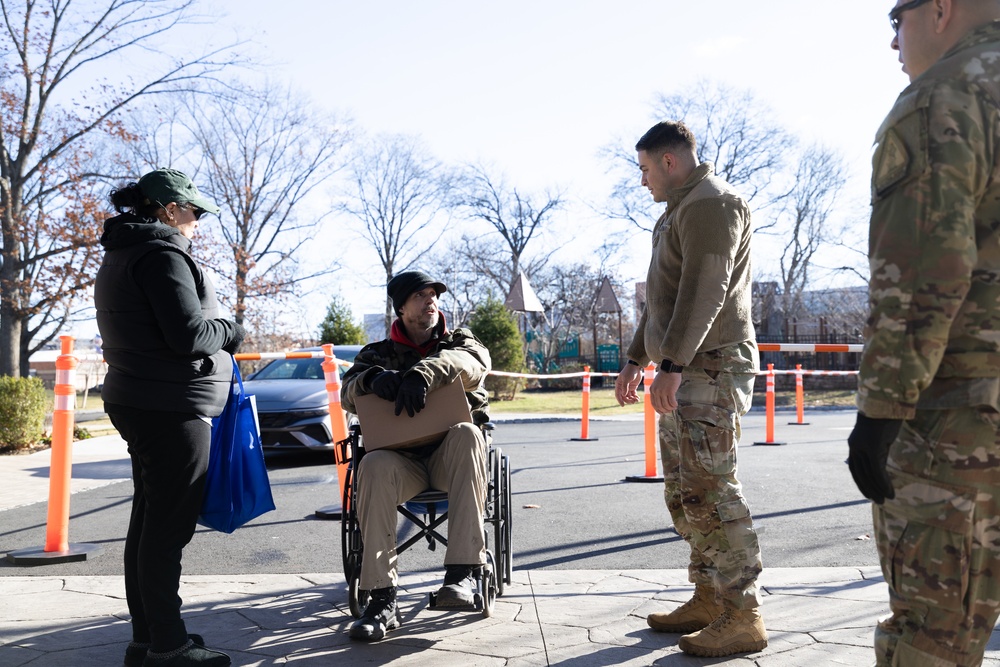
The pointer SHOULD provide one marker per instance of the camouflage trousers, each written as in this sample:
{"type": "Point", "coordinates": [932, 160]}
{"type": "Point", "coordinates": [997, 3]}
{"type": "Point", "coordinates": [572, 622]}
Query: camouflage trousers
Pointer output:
{"type": "Point", "coordinates": [939, 540]}
{"type": "Point", "coordinates": [705, 500]}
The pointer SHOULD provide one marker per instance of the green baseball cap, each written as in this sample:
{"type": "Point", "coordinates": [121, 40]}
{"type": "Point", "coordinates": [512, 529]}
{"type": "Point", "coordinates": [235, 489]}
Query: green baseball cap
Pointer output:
{"type": "Point", "coordinates": [169, 185]}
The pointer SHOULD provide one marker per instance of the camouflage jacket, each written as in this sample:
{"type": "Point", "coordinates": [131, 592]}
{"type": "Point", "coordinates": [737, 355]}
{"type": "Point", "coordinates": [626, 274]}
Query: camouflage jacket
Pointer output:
{"type": "Point", "coordinates": [454, 354]}
{"type": "Point", "coordinates": [698, 286]}
{"type": "Point", "coordinates": [932, 339]}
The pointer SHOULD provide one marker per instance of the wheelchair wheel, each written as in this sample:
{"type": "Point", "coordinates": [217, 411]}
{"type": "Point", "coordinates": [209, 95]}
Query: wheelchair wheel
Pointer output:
{"type": "Point", "coordinates": [506, 513]}
{"type": "Point", "coordinates": [488, 585]}
{"type": "Point", "coordinates": [496, 514]}
{"type": "Point", "coordinates": [352, 549]}
{"type": "Point", "coordinates": [348, 524]}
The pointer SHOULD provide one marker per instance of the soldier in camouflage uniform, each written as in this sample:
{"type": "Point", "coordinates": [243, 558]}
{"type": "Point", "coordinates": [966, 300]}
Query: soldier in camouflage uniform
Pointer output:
{"type": "Point", "coordinates": [925, 446]}
{"type": "Point", "coordinates": [419, 356]}
{"type": "Point", "coordinates": [697, 327]}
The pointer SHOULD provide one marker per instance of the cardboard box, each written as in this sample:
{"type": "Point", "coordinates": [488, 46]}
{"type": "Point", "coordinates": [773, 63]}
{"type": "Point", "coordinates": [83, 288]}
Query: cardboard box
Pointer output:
{"type": "Point", "coordinates": [382, 429]}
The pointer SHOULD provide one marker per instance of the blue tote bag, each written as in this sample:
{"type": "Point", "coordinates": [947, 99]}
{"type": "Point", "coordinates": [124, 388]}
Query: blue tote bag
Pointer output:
{"type": "Point", "coordinates": [236, 488]}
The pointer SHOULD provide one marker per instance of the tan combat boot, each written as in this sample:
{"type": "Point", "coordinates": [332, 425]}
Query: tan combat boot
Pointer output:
{"type": "Point", "coordinates": [735, 631]}
{"type": "Point", "coordinates": [695, 614]}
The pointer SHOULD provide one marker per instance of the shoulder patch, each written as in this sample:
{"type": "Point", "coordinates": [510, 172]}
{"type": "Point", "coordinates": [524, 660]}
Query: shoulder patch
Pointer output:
{"type": "Point", "coordinates": [891, 162]}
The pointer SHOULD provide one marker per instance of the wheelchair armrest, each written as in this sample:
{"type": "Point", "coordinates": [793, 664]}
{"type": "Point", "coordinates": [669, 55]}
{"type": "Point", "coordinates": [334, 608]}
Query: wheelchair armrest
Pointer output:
{"type": "Point", "coordinates": [342, 451]}
{"type": "Point", "coordinates": [350, 447]}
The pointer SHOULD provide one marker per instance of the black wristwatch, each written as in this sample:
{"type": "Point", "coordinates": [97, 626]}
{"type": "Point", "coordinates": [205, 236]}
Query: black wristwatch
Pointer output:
{"type": "Point", "coordinates": [670, 367]}
{"type": "Point", "coordinates": [633, 363]}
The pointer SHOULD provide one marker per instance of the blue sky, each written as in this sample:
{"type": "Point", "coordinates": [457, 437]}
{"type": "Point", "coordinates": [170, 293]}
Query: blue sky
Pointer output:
{"type": "Point", "coordinates": [538, 87]}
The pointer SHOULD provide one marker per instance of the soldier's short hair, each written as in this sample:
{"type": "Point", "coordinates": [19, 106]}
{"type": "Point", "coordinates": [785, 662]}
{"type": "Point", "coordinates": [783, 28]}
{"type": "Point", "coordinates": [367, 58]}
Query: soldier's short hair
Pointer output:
{"type": "Point", "coordinates": [666, 135]}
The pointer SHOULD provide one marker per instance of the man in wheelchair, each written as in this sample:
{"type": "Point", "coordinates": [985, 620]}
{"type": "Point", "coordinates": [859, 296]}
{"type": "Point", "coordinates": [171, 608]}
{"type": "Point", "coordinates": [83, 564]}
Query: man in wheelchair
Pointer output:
{"type": "Point", "coordinates": [420, 355]}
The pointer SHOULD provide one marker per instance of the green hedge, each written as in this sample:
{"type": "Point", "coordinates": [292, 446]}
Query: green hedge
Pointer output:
{"type": "Point", "coordinates": [23, 404]}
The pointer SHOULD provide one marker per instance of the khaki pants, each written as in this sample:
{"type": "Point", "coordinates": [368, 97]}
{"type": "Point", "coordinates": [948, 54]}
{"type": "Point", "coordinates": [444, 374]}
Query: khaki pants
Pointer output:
{"type": "Point", "coordinates": [389, 478]}
{"type": "Point", "coordinates": [939, 540]}
{"type": "Point", "coordinates": [705, 500]}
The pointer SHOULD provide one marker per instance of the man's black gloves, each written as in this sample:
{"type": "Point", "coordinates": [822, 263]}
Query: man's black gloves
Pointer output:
{"type": "Point", "coordinates": [869, 443]}
{"type": "Point", "coordinates": [233, 346]}
{"type": "Point", "coordinates": [385, 385]}
{"type": "Point", "coordinates": [412, 394]}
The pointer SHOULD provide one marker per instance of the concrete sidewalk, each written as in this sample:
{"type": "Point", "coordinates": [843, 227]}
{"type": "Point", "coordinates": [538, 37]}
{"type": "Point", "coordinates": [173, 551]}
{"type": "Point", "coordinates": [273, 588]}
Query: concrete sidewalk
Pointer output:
{"type": "Point", "coordinates": [582, 618]}
{"type": "Point", "coordinates": [24, 478]}
{"type": "Point", "coordinates": [579, 618]}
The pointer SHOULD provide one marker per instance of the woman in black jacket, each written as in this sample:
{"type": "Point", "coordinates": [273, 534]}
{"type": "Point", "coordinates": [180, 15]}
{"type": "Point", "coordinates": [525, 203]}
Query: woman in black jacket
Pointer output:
{"type": "Point", "coordinates": [169, 371]}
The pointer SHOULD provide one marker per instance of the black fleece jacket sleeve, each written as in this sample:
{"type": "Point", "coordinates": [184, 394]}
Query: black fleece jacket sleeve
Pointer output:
{"type": "Point", "coordinates": [170, 284]}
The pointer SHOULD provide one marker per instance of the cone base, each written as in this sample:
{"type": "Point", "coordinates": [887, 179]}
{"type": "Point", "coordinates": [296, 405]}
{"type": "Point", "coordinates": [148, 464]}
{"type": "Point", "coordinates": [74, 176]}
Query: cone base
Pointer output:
{"type": "Point", "coordinates": [643, 478]}
{"type": "Point", "coordinates": [39, 556]}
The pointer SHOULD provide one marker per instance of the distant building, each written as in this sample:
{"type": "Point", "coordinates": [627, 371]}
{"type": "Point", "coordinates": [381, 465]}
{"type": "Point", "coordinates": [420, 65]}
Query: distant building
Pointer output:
{"type": "Point", "coordinates": [90, 368]}
{"type": "Point", "coordinates": [837, 311]}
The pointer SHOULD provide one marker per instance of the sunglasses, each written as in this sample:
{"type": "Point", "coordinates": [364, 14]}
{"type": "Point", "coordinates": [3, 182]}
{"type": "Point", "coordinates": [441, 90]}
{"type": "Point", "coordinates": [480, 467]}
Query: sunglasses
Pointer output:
{"type": "Point", "coordinates": [897, 12]}
{"type": "Point", "coordinates": [198, 212]}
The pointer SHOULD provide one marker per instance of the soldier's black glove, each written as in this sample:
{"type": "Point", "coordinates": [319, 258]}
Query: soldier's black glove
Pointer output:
{"type": "Point", "coordinates": [869, 443]}
{"type": "Point", "coordinates": [412, 394]}
{"type": "Point", "coordinates": [385, 385]}
{"type": "Point", "coordinates": [233, 346]}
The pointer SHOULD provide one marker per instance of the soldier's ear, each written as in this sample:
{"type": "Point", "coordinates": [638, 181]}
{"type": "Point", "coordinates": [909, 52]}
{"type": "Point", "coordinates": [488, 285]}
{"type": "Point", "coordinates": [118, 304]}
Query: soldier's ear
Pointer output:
{"type": "Point", "coordinates": [944, 15]}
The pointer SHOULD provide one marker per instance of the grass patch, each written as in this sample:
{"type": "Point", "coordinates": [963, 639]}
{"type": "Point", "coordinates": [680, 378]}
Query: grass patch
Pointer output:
{"type": "Point", "coordinates": [603, 403]}
{"type": "Point", "coordinates": [91, 402]}
{"type": "Point", "coordinates": [842, 398]}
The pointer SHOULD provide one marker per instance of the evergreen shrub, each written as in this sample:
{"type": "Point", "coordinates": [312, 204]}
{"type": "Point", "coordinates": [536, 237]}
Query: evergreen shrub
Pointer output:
{"type": "Point", "coordinates": [496, 327]}
{"type": "Point", "coordinates": [23, 403]}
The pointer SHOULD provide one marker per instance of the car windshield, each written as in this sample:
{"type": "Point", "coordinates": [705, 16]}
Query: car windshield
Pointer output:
{"type": "Point", "coordinates": [305, 369]}
{"type": "Point", "coordinates": [292, 369]}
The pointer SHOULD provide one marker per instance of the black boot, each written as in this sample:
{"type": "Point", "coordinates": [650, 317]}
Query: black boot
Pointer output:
{"type": "Point", "coordinates": [135, 652]}
{"type": "Point", "coordinates": [189, 655]}
{"type": "Point", "coordinates": [381, 615]}
{"type": "Point", "coordinates": [460, 586]}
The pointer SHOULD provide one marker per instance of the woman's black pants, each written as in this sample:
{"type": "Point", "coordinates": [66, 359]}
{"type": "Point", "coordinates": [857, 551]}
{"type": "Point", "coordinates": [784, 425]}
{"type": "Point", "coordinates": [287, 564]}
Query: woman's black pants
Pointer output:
{"type": "Point", "coordinates": [169, 453]}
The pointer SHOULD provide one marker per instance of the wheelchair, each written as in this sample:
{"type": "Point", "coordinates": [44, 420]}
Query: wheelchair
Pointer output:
{"type": "Point", "coordinates": [427, 511]}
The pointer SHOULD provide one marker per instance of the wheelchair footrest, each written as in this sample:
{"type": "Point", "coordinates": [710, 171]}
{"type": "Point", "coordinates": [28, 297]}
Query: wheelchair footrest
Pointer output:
{"type": "Point", "coordinates": [477, 603]}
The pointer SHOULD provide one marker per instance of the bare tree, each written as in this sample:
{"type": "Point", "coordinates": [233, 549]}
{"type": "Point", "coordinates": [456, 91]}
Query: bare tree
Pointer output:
{"type": "Point", "coordinates": [737, 133]}
{"type": "Point", "coordinates": [397, 192]}
{"type": "Point", "coordinates": [487, 258]}
{"type": "Point", "coordinates": [265, 152]}
{"type": "Point", "coordinates": [161, 136]}
{"type": "Point", "coordinates": [516, 216]}
{"type": "Point", "coordinates": [47, 288]}
{"type": "Point", "coordinates": [476, 268]}
{"type": "Point", "coordinates": [806, 224]}
{"type": "Point", "coordinates": [459, 264]}
{"type": "Point", "coordinates": [793, 191]}
{"type": "Point", "coordinates": [55, 110]}
{"type": "Point", "coordinates": [734, 130]}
